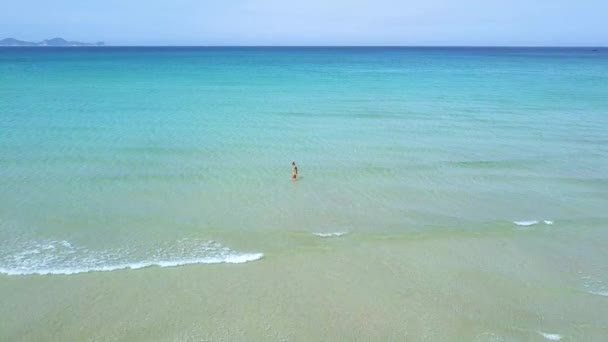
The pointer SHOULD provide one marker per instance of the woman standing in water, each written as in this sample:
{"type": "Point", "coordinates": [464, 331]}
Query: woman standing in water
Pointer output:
{"type": "Point", "coordinates": [294, 170]}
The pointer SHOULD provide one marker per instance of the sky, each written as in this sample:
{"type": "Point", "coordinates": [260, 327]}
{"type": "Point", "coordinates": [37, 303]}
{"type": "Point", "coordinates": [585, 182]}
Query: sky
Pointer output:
{"type": "Point", "coordinates": [311, 22]}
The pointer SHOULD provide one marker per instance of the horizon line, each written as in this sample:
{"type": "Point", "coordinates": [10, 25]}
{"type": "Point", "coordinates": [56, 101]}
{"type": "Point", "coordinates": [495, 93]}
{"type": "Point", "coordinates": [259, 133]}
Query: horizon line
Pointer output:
{"type": "Point", "coordinates": [328, 46]}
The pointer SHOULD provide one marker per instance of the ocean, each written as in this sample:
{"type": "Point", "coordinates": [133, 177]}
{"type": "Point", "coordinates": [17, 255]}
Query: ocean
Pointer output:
{"type": "Point", "coordinates": [443, 193]}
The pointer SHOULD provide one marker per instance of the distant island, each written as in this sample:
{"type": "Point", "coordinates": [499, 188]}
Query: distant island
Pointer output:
{"type": "Point", "coordinates": [46, 42]}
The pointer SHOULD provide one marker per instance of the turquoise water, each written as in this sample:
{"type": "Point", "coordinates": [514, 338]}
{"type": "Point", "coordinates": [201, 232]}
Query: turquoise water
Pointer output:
{"type": "Point", "coordinates": [130, 157]}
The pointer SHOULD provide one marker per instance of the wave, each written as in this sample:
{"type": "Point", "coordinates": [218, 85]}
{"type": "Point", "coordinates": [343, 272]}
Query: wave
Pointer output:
{"type": "Point", "coordinates": [61, 257]}
{"type": "Point", "coordinates": [599, 292]}
{"type": "Point", "coordinates": [595, 286]}
{"type": "Point", "coordinates": [332, 234]}
{"type": "Point", "coordinates": [528, 223]}
{"type": "Point", "coordinates": [551, 337]}
{"type": "Point", "coordinates": [236, 259]}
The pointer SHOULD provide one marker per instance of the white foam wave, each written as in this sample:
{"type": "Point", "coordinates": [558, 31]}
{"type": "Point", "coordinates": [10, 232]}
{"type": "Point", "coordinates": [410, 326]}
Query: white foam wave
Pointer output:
{"type": "Point", "coordinates": [234, 259]}
{"type": "Point", "coordinates": [62, 257]}
{"type": "Point", "coordinates": [526, 223]}
{"type": "Point", "coordinates": [595, 286]}
{"type": "Point", "coordinates": [599, 293]}
{"type": "Point", "coordinates": [332, 234]}
{"type": "Point", "coordinates": [551, 337]}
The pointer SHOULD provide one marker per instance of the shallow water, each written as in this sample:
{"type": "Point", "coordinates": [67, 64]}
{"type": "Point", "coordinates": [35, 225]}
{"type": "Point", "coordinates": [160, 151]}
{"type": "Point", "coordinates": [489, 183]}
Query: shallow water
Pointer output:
{"type": "Point", "coordinates": [117, 159]}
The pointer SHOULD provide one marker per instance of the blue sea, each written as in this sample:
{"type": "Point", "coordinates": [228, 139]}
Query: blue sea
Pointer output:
{"type": "Point", "coordinates": [121, 159]}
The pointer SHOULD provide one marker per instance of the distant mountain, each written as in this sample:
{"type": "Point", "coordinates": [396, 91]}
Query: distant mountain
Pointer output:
{"type": "Point", "coordinates": [46, 42]}
{"type": "Point", "coordinates": [63, 42]}
{"type": "Point", "coordinates": [15, 42]}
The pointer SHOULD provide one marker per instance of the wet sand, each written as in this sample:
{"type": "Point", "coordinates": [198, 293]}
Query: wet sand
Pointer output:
{"type": "Point", "coordinates": [474, 288]}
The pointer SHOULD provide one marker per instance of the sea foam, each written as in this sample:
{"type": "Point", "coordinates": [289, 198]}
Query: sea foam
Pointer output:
{"type": "Point", "coordinates": [528, 223]}
{"type": "Point", "coordinates": [62, 257]}
{"type": "Point", "coordinates": [551, 337]}
{"type": "Point", "coordinates": [332, 234]}
{"type": "Point", "coordinates": [599, 293]}
{"type": "Point", "coordinates": [595, 286]}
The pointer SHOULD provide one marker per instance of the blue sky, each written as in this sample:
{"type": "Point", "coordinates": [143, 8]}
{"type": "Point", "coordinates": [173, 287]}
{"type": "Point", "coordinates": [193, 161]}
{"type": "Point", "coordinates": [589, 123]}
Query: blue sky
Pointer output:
{"type": "Point", "coordinates": [311, 22]}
